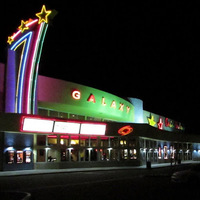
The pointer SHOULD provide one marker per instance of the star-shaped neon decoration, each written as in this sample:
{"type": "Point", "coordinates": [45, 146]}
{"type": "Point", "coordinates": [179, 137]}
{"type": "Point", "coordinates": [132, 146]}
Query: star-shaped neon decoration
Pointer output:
{"type": "Point", "coordinates": [23, 26]}
{"type": "Point", "coordinates": [10, 40]}
{"type": "Point", "coordinates": [43, 15]}
{"type": "Point", "coordinates": [160, 123]}
{"type": "Point", "coordinates": [151, 120]}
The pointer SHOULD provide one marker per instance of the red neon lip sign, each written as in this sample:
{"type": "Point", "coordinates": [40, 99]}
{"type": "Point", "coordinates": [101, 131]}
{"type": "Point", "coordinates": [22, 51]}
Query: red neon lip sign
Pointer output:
{"type": "Point", "coordinates": [125, 130]}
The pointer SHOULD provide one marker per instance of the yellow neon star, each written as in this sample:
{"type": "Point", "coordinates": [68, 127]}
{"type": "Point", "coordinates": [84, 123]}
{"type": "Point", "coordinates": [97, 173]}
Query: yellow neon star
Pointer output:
{"type": "Point", "coordinates": [43, 15]}
{"type": "Point", "coordinates": [151, 120]}
{"type": "Point", "coordinates": [10, 40]}
{"type": "Point", "coordinates": [23, 26]}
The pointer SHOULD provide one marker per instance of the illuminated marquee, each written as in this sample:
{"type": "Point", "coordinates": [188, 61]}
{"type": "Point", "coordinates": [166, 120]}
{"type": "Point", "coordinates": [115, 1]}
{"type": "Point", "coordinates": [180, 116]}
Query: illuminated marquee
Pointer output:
{"type": "Point", "coordinates": [92, 129]}
{"type": "Point", "coordinates": [37, 125]}
{"type": "Point", "coordinates": [28, 41]}
{"type": "Point", "coordinates": [48, 125]}
{"type": "Point", "coordinates": [66, 127]}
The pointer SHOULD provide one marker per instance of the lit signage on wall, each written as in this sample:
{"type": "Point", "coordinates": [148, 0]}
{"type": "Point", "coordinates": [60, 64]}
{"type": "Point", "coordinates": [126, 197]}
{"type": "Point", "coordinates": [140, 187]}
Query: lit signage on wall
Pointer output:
{"type": "Point", "coordinates": [76, 94]}
{"type": "Point", "coordinates": [160, 123]}
{"type": "Point", "coordinates": [164, 122]}
{"type": "Point", "coordinates": [125, 130]}
{"type": "Point", "coordinates": [151, 120]}
{"type": "Point", "coordinates": [47, 125]}
{"type": "Point", "coordinates": [91, 98]}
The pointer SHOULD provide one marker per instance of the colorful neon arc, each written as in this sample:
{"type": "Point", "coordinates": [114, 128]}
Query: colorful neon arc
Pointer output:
{"type": "Point", "coordinates": [25, 41]}
{"type": "Point", "coordinates": [30, 37]}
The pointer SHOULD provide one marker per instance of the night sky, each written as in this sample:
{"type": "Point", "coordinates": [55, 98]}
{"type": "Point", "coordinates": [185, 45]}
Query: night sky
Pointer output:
{"type": "Point", "coordinates": [149, 50]}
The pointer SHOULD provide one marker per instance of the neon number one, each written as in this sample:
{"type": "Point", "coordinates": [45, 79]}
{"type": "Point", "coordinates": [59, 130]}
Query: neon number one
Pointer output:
{"type": "Point", "coordinates": [30, 37]}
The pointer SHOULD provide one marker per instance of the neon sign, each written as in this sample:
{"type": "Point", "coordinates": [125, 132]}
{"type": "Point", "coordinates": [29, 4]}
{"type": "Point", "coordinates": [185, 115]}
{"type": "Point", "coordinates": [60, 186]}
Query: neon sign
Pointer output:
{"type": "Point", "coordinates": [23, 26]}
{"type": "Point", "coordinates": [151, 120]}
{"type": "Point", "coordinates": [28, 40]}
{"type": "Point", "coordinates": [91, 98]}
{"type": "Point", "coordinates": [43, 15]}
{"type": "Point", "coordinates": [121, 106]}
{"type": "Point", "coordinates": [76, 94]}
{"type": "Point", "coordinates": [113, 104]}
{"type": "Point", "coordinates": [164, 122]}
{"type": "Point", "coordinates": [160, 123]}
{"type": "Point", "coordinates": [125, 130]}
{"type": "Point", "coordinates": [169, 123]}
{"type": "Point", "coordinates": [103, 101]}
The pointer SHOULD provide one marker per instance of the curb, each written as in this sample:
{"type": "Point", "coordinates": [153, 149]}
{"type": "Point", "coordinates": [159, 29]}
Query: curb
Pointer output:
{"type": "Point", "coordinates": [73, 170]}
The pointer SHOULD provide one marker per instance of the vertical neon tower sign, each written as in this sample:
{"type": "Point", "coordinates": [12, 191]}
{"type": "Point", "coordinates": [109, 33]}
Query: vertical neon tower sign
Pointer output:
{"type": "Point", "coordinates": [27, 42]}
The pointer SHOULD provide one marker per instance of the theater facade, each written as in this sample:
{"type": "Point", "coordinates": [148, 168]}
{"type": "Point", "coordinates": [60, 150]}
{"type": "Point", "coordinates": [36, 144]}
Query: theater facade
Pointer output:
{"type": "Point", "coordinates": [51, 123]}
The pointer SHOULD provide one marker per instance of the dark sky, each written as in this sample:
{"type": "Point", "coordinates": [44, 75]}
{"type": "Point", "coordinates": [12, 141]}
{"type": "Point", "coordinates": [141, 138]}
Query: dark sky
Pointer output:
{"type": "Point", "coordinates": [148, 50]}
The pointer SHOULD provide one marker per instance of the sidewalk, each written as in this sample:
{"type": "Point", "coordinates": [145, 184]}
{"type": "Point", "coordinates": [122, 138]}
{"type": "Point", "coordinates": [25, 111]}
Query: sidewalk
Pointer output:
{"type": "Point", "coordinates": [71, 170]}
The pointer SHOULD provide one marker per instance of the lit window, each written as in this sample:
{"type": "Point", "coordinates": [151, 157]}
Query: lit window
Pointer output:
{"type": "Point", "coordinates": [133, 154]}
{"type": "Point", "coordinates": [159, 153]}
{"type": "Point", "coordinates": [19, 156]}
{"type": "Point", "coordinates": [28, 156]}
{"type": "Point", "coordinates": [52, 139]}
{"type": "Point", "coordinates": [165, 152]}
{"type": "Point", "coordinates": [10, 158]}
{"type": "Point", "coordinates": [172, 152]}
{"type": "Point", "coordinates": [64, 140]}
{"type": "Point", "coordinates": [74, 142]}
{"type": "Point", "coordinates": [123, 142]}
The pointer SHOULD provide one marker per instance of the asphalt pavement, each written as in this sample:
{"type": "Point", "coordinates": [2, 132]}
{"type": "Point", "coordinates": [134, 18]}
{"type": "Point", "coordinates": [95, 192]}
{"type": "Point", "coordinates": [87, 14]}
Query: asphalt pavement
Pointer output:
{"type": "Point", "coordinates": [134, 182]}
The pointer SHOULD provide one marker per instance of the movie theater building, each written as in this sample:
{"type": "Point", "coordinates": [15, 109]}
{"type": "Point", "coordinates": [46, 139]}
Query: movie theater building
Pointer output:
{"type": "Point", "coordinates": [51, 123]}
{"type": "Point", "coordinates": [79, 126]}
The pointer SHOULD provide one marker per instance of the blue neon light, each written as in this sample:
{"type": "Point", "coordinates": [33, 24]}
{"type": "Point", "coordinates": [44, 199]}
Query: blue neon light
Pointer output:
{"type": "Point", "coordinates": [27, 39]}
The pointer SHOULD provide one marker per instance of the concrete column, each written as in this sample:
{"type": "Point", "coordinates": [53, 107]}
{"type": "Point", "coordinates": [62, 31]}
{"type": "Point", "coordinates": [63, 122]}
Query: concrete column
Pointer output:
{"type": "Point", "coordinates": [70, 150]}
{"type": "Point", "coordinates": [46, 154]}
{"type": "Point", "coordinates": [34, 148]}
{"type": "Point", "coordinates": [89, 154]}
{"type": "Point", "coordinates": [109, 142]}
{"type": "Point", "coordinates": [46, 149]}
{"type": "Point", "coordinates": [109, 153]}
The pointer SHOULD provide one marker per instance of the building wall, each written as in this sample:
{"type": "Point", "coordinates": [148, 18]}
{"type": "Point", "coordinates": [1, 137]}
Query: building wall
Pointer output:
{"type": "Point", "coordinates": [138, 106]}
{"type": "Point", "coordinates": [2, 71]}
{"type": "Point", "coordinates": [63, 96]}
{"type": "Point", "coordinates": [17, 143]}
{"type": "Point", "coordinates": [161, 122]}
